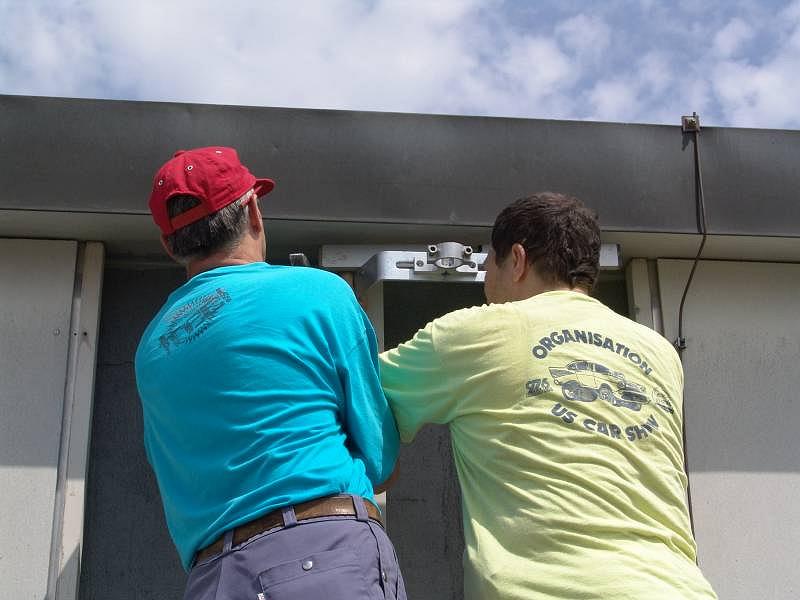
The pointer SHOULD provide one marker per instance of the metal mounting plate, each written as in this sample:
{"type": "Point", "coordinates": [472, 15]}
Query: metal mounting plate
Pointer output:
{"type": "Point", "coordinates": [352, 257]}
{"type": "Point", "coordinates": [399, 265]}
{"type": "Point", "coordinates": [374, 264]}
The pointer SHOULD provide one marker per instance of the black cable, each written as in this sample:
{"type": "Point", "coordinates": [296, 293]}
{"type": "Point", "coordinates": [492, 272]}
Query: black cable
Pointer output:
{"type": "Point", "coordinates": [680, 343]}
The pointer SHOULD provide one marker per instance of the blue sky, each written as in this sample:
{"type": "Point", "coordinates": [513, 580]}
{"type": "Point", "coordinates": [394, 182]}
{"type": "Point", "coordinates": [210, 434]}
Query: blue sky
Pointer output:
{"type": "Point", "coordinates": [736, 62]}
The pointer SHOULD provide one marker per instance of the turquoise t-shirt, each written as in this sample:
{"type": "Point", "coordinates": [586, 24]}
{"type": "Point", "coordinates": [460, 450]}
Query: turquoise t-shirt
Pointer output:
{"type": "Point", "coordinates": [259, 387]}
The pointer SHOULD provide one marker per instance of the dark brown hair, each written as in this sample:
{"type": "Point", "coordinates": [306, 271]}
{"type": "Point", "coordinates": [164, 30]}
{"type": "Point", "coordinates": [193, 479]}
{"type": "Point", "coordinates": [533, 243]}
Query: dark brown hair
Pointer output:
{"type": "Point", "coordinates": [560, 235]}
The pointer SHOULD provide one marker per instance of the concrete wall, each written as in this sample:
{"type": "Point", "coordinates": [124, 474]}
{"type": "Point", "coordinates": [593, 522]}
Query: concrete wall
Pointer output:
{"type": "Point", "coordinates": [742, 327]}
{"type": "Point", "coordinates": [34, 329]}
{"type": "Point", "coordinates": [49, 301]}
{"type": "Point", "coordinates": [128, 552]}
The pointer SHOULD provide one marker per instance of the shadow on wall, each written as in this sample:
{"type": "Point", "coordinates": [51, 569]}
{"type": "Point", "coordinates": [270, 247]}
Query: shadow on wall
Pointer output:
{"type": "Point", "coordinates": [127, 549]}
{"type": "Point", "coordinates": [66, 578]}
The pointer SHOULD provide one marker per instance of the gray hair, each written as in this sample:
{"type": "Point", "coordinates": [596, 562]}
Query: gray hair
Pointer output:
{"type": "Point", "coordinates": [218, 231]}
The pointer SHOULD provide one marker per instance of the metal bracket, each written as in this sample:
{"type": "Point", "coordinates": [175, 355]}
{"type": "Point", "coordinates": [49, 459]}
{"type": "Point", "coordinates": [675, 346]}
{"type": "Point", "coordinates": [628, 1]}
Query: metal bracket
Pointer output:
{"type": "Point", "coordinates": [444, 261]}
{"type": "Point", "coordinates": [679, 343]}
{"type": "Point", "coordinates": [298, 259]}
{"type": "Point", "coordinates": [450, 256]}
{"type": "Point", "coordinates": [690, 123]}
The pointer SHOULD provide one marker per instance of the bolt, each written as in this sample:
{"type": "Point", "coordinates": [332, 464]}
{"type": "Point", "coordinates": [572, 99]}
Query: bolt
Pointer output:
{"type": "Point", "coordinates": [420, 263]}
{"type": "Point", "coordinates": [56, 331]}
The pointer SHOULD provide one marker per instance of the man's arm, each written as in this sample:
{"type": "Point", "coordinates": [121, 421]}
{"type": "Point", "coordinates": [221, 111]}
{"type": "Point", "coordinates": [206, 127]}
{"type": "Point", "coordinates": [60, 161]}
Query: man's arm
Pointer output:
{"type": "Point", "coordinates": [417, 384]}
{"type": "Point", "coordinates": [367, 419]}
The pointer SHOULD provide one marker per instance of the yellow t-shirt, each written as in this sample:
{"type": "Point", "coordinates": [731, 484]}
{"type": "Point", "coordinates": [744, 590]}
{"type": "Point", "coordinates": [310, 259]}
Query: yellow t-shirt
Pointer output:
{"type": "Point", "coordinates": [566, 429]}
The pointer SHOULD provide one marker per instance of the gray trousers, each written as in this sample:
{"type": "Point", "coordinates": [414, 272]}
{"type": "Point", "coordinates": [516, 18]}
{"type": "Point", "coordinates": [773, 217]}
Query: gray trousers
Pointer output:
{"type": "Point", "coordinates": [327, 558]}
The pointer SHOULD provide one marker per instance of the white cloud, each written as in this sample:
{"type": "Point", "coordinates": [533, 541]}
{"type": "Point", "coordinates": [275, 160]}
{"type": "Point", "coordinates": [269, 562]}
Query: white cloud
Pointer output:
{"type": "Point", "coordinates": [340, 54]}
{"type": "Point", "coordinates": [646, 61]}
{"type": "Point", "coordinates": [586, 35]}
{"type": "Point", "coordinates": [613, 100]}
{"type": "Point", "coordinates": [44, 47]}
{"type": "Point", "coordinates": [730, 38]}
{"type": "Point", "coordinates": [765, 92]}
{"type": "Point", "coordinates": [536, 65]}
{"type": "Point", "coordinates": [637, 95]}
{"type": "Point", "coordinates": [792, 11]}
{"type": "Point", "coordinates": [768, 95]}
{"type": "Point", "coordinates": [655, 72]}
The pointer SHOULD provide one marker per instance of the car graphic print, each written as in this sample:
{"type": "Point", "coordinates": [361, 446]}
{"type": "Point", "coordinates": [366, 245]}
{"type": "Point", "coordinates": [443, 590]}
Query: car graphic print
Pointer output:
{"type": "Point", "coordinates": [585, 381]}
{"type": "Point", "coordinates": [192, 319]}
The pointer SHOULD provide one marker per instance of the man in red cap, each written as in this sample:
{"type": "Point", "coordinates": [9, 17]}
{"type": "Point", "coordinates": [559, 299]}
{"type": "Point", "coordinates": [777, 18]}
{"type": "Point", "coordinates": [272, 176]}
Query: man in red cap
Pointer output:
{"type": "Point", "coordinates": [264, 419]}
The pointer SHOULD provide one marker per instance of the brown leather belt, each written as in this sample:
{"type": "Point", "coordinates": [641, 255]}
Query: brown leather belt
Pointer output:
{"type": "Point", "coordinates": [330, 506]}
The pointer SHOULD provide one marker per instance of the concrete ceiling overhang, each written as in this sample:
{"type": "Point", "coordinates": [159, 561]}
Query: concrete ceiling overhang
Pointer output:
{"type": "Point", "coordinates": [83, 169]}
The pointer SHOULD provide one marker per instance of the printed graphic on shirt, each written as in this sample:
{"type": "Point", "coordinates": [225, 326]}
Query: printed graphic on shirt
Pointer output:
{"type": "Point", "coordinates": [567, 336]}
{"type": "Point", "coordinates": [535, 387]}
{"type": "Point", "coordinates": [191, 320]}
{"type": "Point", "coordinates": [585, 381]}
{"type": "Point", "coordinates": [632, 433]}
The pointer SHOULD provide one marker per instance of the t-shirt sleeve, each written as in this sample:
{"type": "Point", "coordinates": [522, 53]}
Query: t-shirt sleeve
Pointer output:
{"type": "Point", "coordinates": [368, 420]}
{"type": "Point", "coordinates": [416, 384]}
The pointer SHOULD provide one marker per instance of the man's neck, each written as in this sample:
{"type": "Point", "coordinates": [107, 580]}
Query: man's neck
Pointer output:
{"type": "Point", "coordinates": [537, 286]}
{"type": "Point", "coordinates": [226, 259]}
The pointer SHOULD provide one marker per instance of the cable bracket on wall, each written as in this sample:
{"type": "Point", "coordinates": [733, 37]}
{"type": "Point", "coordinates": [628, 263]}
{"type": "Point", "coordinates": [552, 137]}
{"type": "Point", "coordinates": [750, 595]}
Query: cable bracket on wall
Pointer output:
{"type": "Point", "coordinates": [691, 123]}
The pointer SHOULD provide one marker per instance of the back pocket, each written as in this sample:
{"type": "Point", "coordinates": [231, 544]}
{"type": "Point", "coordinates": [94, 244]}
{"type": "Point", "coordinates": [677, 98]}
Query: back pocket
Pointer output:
{"type": "Point", "coordinates": [331, 575]}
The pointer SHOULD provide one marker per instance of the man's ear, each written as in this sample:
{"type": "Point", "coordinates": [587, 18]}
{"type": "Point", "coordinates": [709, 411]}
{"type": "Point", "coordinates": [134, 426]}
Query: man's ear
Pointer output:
{"type": "Point", "coordinates": [519, 265]}
{"type": "Point", "coordinates": [254, 215]}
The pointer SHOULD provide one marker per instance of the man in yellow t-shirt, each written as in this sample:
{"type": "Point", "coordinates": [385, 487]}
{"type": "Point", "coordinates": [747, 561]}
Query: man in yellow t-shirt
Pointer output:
{"type": "Point", "coordinates": [566, 423]}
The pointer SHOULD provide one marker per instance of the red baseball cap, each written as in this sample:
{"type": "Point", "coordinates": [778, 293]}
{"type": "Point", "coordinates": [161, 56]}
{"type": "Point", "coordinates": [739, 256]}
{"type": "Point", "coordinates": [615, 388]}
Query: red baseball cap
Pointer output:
{"type": "Point", "coordinates": [214, 175]}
